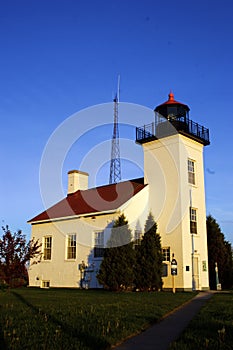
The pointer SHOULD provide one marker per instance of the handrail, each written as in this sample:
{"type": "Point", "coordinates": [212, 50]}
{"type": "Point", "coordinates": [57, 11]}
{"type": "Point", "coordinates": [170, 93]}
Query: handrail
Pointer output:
{"type": "Point", "coordinates": [182, 125]}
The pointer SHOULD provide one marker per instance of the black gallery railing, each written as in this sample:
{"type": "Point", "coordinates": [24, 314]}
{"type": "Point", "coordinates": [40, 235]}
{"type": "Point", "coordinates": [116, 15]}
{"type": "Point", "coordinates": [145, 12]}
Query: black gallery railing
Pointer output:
{"type": "Point", "coordinates": [164, 128]}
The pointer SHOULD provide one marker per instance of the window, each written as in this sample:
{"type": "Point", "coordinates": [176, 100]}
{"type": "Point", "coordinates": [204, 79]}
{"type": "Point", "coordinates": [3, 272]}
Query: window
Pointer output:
{"type": "Point", "coordinates": [99, 244]}
{"type": "Point", "coordinates": [191, 172]}
{"type": "Point", "coordinates": [71, 247]}
{"type": "Point", "coordinates": [166, 254]}
{"type": "Point", "coordinates": [193, 220]}
{"type": "Point", "coordinates": [47, 248]}
{"type": "Point", "coordinates": [45, 284]}
{"type": "Point", "coordinates": [164, 270]}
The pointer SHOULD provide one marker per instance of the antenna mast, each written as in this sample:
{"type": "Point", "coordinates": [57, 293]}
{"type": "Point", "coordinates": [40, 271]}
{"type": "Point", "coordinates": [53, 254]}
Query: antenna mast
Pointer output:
{"type": "Point", "coordinates": [115, 166]}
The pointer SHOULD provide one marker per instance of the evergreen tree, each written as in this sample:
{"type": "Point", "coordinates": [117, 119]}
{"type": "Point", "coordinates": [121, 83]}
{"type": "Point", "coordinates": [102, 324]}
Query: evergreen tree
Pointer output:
{"type": "Point", "coordinates": [148, 271]}
{"type": "Point", "coordinates": [219, 251]}
{"type": "Point", "coordinates": [117, 268]}
{"type": "Point", "coordinates": [228, 266]}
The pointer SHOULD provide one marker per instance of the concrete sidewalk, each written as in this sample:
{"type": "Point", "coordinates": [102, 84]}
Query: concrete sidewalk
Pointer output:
{"type": "Point", "coordinates": [160, 335]}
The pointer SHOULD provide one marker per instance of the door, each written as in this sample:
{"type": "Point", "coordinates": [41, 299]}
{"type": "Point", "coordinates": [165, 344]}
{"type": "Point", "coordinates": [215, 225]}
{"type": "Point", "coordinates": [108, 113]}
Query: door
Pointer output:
{"type": "Point", "coordinates": [196, 273]}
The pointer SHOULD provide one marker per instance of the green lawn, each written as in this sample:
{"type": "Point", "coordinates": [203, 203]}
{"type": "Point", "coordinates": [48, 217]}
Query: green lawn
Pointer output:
{"type": "Point", "coordinates": [78, 319]}
{"type": "Point", "coordinates": [212, 328]}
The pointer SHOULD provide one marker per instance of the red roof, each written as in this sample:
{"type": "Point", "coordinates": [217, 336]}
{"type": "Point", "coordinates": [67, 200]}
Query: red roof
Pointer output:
{"type": "Point", "coordinates": [95, 200]}
{"type": "Point", "coordinates": [172, 101]}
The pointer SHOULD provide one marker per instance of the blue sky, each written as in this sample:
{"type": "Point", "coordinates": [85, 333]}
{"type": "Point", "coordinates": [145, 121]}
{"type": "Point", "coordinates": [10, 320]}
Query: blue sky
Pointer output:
{"type": "Point", "coordinates": [58, 57]}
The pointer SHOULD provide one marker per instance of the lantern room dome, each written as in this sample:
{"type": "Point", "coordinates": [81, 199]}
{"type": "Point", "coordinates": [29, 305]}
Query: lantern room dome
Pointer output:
{"type": "Point", "coordinates": [172, 108]}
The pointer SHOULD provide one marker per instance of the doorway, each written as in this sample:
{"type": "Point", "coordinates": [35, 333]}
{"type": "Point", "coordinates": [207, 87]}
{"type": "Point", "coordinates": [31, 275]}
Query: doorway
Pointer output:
{"type": "Point", "coordinates": [196, 283]}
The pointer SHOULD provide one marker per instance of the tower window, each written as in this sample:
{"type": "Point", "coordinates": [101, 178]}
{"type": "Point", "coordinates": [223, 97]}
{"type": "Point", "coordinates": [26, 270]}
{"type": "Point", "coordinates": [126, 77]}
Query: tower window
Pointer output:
{"type": "Point", "coordinates": [193, 220]}
{"type": "Point", "coordinates": [47, 247]}
{"type": "Point", "coordinates": [99, 244]}
{"type": "Point", "coordinates": [191, 172]}
{"type": "Point", "coordinates": [166, 254]}
{"type": "Point", "coordinates": [71, 246]}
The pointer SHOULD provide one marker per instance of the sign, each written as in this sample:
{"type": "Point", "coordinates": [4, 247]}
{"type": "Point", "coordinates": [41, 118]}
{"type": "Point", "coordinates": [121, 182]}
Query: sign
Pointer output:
{"type": "Point", "coordinates": [174, 267]}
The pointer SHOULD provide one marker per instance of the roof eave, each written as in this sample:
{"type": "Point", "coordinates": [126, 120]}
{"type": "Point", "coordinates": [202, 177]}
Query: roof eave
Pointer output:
{"type": "Point", "coordinates": [64, 218]}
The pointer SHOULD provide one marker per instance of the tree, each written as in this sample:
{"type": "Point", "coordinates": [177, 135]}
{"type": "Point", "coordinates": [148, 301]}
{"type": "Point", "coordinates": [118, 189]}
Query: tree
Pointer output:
{"type": "Point", "coordinates": [148, 272]}
{"type": "Point", "coordinates": [219, 251]}
{"type": "Point", "coordinates": [15, 253]}
{"type": "Point", "coordinates": [117, 268]}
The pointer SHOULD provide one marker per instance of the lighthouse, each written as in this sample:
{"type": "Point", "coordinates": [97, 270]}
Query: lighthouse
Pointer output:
{"type": "Point", "coordinates": [173, 168]}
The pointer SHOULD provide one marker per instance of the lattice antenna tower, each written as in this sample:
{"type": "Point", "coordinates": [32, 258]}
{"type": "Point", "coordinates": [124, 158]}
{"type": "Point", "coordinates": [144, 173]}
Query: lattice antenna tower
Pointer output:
{"type": "Point", "coordinates": [115, 165]}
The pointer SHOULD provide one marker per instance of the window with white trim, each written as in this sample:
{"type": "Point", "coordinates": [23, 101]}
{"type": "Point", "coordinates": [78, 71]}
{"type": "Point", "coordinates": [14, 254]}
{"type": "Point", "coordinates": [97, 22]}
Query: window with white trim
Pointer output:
{"type": "Point", "coordinates": [193, 220]}
{"type": "Point", "coordinates": [47, 248]}
{"type": "Point", "coordinates": [191, 172]}
{"type": "Point", "coordinates": [71, 246]}
{"type": "Point", "coordinates": [45, 284]}
{"type": "Point", "coordinates": [166, 254]}
{"type": "Point", "coordinates": [98, 244]}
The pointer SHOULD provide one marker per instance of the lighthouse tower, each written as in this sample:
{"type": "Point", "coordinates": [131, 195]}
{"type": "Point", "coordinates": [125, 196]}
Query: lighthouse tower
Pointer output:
{"type": "Point", "coordinates": [173, 168]}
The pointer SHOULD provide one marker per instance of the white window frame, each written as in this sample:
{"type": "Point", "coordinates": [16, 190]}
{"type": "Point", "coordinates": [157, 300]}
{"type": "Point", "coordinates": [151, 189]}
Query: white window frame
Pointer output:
{"type": "Point", "coordinates": [45, 284]}
{"type": "Point", "coordinates": [166, 251]}
{"type": "Point", "coordinates": [193, 220]}
{"type": "Point", "coordinates": [191, 172]}
{"type": "Point", "coordinates": [47, 247]}
{"type": "Point", "coordinates": [98, 244]}
{"type": "Point", "coordinates": [71, 246]}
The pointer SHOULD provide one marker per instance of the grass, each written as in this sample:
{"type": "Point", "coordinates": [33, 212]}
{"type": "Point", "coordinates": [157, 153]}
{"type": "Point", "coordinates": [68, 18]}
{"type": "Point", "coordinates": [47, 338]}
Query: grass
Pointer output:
{"type": "Point", "coordinates": [212, 328]}
{"type": "Point", "coordinates": [78, 319]}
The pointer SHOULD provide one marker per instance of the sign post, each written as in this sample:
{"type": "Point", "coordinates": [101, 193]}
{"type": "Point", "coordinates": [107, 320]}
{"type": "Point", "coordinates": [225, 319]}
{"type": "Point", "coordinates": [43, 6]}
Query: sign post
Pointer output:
{"type": "Point", "coordinates": [173, 272]}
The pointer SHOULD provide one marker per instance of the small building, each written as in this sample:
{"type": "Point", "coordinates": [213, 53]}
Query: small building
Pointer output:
{"type": "Point", "coordinates": [75, 231]}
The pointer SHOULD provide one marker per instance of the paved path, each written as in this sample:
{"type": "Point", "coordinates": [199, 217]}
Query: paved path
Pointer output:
{"type": "Point", "coordinates": [160, 335]}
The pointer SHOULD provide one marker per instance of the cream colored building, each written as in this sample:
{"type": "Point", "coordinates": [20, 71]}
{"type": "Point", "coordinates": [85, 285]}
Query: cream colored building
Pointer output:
{"type": "Point", "coordinates": [74, 232]}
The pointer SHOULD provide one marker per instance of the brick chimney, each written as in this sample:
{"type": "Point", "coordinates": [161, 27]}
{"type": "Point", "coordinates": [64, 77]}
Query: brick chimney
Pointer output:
{"type": "Point", "coordinates": [77, 180]}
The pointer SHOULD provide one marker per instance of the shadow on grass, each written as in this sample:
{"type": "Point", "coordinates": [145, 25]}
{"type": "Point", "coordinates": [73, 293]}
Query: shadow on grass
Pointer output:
{"type": "Point", "coordinates": [2, 341]}
{"type": "Point", "coordinates": [88, 340]}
